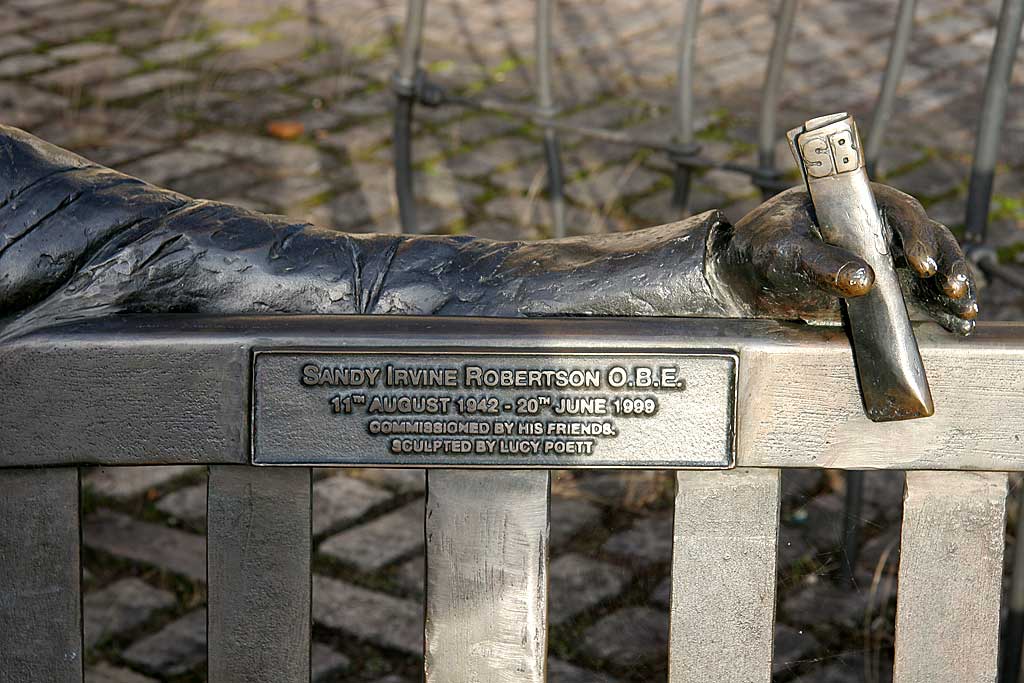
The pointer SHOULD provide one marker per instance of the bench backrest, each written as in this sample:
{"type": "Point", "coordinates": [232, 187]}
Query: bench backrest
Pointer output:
{"type": "Point", "coordinates": [131, 391]}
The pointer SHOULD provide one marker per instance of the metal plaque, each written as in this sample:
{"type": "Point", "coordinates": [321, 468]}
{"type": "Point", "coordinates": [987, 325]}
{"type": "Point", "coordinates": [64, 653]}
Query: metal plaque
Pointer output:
{"type": "Point", "coordinates": [470, 409]}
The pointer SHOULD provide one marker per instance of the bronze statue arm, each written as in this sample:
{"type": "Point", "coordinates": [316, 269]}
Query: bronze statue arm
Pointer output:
{"type": "Point", "coordinates": [80, 240]}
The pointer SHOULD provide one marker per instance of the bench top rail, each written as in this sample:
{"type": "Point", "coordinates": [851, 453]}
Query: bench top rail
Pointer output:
{"type": "Point", "coordinates": [167, 390]}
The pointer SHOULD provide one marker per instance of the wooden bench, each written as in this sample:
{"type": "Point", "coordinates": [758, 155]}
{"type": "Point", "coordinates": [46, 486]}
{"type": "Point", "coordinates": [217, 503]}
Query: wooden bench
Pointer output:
{"type": "Point", "coordinates": [178, 390]}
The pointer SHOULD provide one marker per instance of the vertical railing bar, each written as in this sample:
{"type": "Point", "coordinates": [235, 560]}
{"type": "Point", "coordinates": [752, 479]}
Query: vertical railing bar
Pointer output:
{"type": "Point", "coordinates": [993, 112]}
{"type": "Point", "coordinates": [412, 40]}
{"type": "Point", "coordinates": [684, 109]}
{"type": "Point", "coordinates": [406, 84]}
{"type": "Point", "coordinates": [546, 108]}
{"type": "Point", "coordinates": [890, 82]}
{"type": "Point", "coordinates": [852, 509]}
{"type": "Point", "coordinates": [1013, 641]}
{"type": "Point", "coordinates": [770, 97]}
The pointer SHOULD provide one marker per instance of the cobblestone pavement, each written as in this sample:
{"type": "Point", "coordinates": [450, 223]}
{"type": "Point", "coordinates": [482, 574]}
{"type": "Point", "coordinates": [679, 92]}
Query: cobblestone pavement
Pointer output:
{"type": "Point", "coordinates": [283, 106]}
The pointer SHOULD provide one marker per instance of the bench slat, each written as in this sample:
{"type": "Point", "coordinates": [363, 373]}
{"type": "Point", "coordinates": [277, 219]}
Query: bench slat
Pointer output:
{"type": "Point", "coordinates": [487, 557]}
{"type": "Point", "coordinates": [40, 576]}
{"type": "Point", "coordinates": [951, 563]}
{"type": "Point", "coordinates": [723, 576]}
{"type": "Point", "coordinates": [258, 570]}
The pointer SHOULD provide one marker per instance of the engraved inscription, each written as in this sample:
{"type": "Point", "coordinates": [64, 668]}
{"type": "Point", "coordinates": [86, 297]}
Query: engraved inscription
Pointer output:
{"type": "Point", "coordinates": [489, 409]}
{"type": "Point", "coordinates": [534, 422]}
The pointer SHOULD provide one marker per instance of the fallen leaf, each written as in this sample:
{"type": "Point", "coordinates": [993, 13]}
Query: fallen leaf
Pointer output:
{"type": "Point", "coordinates": [286, 130]}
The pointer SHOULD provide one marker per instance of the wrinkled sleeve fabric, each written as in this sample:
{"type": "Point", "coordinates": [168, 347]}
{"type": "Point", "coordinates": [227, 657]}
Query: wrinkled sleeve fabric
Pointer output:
{"type": "Point", "coordinates": [79, 240]}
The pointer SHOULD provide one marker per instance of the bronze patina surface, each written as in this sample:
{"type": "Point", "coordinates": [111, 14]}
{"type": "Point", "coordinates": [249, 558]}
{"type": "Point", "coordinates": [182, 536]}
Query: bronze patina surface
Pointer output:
{"type": "Point", "coordinates": [80, 240]}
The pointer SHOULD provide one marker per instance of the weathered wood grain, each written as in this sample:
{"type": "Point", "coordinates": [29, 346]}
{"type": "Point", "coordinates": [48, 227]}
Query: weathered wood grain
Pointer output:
{"type": "Point", "coordinates": [258, 568]}
{"type": "Point", "coordinates": [951, 563]}
{"type": "Point", "coordinates": [40, 576]}
{"type": "Point", "coordinates": [487, 558]}
{"type": "Point", "coordinates": [723, 576]}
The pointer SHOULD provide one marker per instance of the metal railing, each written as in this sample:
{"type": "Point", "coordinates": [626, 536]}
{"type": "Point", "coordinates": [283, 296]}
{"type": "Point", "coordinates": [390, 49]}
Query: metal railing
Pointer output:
{"type": "Point", "coordinates": [176, 389]}
{"type": "Point", "coordinates": [413, 87]}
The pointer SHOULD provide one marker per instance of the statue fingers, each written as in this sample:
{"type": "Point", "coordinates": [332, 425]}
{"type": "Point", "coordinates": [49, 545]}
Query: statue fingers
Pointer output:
{"type": "Point", "coordinates": [954, 314]}
{"type": "Point", "coordinates": [954, 275]}
{"type": "Point", "coordinates": [965, 306]}
{"type": "Point", "coordinates": [920, 248]}
{"type": "Point", "coordinates": [833, 269]}
{"type": "Point", "coordinates": [953, 323]}
{"type": "Point", "coordinates": [906, 218]}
